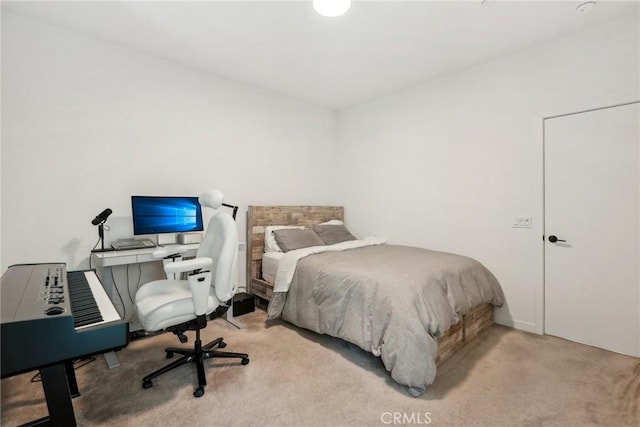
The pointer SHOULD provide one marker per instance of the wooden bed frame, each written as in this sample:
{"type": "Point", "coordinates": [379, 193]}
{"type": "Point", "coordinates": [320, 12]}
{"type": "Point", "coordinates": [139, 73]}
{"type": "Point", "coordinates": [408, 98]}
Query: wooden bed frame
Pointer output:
{"type": "Point", "coordinates": [471, 324]}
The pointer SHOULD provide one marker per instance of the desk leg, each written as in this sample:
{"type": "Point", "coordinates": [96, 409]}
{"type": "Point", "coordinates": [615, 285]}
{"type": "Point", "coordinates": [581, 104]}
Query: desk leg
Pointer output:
{"type": "Point", "coordinates": [106, 278]}
{"type": "Point", "coordinates": [111, 359]}
{"type": "Point", "coordinates": [228, 316]}
{"type": "Point", "coordinates": [105, 274]}
{"type": "Point", "coordinates": [56, 391]}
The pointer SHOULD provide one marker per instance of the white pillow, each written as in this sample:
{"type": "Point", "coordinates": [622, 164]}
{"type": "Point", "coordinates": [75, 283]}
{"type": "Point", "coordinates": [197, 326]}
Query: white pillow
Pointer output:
{"type": "Point", "coordinates": [270, 244]}
{"type": "Point", "coordinates": [333, 222]}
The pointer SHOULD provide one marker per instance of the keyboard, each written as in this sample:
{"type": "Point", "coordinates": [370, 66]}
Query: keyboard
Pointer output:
{"type": "Point", "coordinates": [49, 318]}
{"type": "Point", "coordinates": [124, 244]}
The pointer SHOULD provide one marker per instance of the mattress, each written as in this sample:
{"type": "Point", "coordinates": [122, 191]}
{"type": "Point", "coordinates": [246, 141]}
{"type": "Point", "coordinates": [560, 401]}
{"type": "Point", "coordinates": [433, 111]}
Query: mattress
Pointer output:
{"type": "Point", "coordinates": [390, 300]}
{"type": "Point", "coordinates": [270, 265]}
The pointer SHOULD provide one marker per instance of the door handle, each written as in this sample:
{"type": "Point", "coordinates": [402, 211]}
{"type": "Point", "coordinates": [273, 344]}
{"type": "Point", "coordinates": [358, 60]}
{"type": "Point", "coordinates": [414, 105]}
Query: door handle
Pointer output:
{"type": "Point", "coordinates": [554, 239]}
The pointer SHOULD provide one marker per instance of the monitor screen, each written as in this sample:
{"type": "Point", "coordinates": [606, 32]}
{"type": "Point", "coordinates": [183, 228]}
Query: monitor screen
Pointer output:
{"type": "Point", "coordinates": [159, 214]}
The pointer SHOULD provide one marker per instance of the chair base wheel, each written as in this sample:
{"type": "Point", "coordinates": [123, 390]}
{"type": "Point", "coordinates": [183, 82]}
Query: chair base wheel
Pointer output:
{"type": "Point", "coordinates": [222, 344]}
{"type": "Point", "coordinates": [169, 355]}
{"type": "Point", "coordinates": [199, 392]}
{"type": "Point", "coordinates": [245, 361]}
{"type": "Point", "coordinates": [147, 384]}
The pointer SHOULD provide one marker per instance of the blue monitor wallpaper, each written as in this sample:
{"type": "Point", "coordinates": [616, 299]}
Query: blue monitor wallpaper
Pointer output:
{"type": "Point", "coordinates": [157, 214]}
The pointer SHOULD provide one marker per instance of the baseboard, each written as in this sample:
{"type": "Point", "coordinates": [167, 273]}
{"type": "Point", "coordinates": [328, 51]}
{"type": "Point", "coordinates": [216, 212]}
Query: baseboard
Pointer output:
{"type": "Point", "coordinates": [517, 324]}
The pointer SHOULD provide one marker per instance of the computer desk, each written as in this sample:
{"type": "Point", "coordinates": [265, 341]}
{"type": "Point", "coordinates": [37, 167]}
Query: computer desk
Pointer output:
{"type": "Point", "coordinates": [104, 261]}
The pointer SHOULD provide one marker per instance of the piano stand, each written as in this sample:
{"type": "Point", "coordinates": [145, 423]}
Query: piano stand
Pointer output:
{"type": "Point", "coordinates": [59, 384]}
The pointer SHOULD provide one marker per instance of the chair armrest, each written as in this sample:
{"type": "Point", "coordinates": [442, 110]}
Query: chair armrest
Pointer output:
{"type": "Point", "coordinates": [188, 265]}
{"type": "Point", "coordinates": [200, 284]}
{"type": "Point", "coordinates": [165, 251]}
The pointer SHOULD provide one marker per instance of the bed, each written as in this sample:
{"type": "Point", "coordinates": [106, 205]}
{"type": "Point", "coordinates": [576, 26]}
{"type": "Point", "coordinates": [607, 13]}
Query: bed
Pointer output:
{"type": "Point", "coordinates": [412, 307]}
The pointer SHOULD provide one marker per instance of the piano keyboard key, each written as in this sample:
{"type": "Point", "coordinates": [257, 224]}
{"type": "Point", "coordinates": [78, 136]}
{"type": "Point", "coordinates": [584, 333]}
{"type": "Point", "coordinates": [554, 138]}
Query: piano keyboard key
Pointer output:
{"type": "Point", "coordinates": [90, 304]}
{"type": "Point", "coordinates": [83, 306]}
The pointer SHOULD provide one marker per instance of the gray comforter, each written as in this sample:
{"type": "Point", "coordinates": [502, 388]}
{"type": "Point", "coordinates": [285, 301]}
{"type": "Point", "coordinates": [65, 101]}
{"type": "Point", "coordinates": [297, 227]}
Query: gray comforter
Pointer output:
{"type": "Point", "coordinates": [389, 300]}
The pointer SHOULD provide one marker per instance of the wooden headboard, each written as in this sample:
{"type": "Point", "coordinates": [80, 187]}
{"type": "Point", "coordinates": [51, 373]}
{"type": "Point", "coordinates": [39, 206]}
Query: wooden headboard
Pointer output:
{"type": "Point", "coordinates": [258, 217]}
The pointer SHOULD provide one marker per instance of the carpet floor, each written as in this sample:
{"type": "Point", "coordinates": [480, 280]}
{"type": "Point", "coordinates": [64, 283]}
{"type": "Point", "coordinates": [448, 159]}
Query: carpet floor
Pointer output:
{"type": "Point", "coordinates": [297, 378]}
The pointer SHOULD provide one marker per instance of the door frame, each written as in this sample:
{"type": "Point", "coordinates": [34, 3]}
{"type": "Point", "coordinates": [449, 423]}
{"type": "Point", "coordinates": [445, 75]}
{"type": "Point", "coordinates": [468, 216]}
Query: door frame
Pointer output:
{"type": "Point", "coordinates": [541, 120]}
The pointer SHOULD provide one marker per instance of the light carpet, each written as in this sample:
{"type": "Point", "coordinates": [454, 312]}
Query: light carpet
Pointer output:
{"type": "Point", "coordinates": [297, 378]}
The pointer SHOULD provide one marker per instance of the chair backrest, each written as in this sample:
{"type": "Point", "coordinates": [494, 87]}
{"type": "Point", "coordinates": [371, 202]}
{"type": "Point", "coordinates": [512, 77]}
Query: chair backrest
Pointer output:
{"type": "Point", "coordinates": [220, 243]}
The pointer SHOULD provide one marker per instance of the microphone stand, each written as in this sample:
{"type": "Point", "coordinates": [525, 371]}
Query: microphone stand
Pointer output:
{"type": "Point", "coordinates": [101, 236]}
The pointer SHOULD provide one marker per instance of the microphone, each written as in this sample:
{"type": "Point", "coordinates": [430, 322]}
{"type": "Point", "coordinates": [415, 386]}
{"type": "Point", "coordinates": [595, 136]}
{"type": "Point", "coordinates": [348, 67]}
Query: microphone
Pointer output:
{"type": "Point", "coordinates": [102, 217]}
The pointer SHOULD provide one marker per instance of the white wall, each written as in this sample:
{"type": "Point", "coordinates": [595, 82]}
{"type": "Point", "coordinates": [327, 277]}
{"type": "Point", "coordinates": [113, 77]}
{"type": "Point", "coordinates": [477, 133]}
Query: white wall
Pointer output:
{"type": "Point", "coordinates": [86, 124]}
{"type": "Point", "coordinates": [446, 165]}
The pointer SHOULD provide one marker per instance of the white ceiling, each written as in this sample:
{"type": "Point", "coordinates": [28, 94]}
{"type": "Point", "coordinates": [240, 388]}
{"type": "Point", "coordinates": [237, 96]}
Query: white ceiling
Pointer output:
{"type": "Point", "coordinates": [376, 48]}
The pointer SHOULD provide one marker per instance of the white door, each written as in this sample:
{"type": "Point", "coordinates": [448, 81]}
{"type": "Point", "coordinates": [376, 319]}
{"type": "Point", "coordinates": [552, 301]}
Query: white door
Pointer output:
{"type": "Point", "coordinates": [592, 196]}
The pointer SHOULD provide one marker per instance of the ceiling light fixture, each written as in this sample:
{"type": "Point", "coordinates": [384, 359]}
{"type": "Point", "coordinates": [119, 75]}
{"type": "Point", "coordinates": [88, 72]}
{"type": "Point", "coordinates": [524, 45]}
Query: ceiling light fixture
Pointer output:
{"type": "Point", "coordinates": [331, 7]}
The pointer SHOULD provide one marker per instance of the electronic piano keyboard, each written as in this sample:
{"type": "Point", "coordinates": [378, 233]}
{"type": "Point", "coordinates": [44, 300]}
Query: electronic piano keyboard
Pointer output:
{"type": "Point", "coordinates": [51, 317]}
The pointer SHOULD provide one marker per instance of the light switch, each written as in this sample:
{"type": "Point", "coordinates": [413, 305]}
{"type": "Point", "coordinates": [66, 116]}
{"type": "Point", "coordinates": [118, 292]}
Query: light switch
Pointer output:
{"type": "Point", "coordinates": [521, 222]}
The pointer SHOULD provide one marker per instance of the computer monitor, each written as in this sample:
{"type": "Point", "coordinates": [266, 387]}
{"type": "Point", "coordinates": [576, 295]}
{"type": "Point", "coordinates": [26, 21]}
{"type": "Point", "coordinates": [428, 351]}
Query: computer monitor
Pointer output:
{"type": "Point", "coordinates": [166, 214]}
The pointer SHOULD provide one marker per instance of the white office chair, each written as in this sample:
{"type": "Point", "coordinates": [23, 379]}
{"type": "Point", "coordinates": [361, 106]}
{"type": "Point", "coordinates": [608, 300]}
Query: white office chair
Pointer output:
{"type": "Point", "coordinates": [182, 305]}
